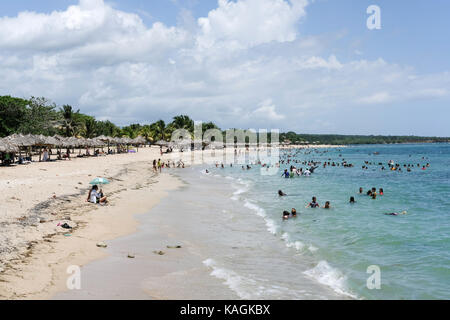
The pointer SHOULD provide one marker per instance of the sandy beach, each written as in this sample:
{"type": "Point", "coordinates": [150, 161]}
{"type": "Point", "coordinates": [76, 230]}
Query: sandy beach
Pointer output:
{"type": "Point", "coordinates": [37, 197]}
{"type": "Point", "coordinates": [36, 252]}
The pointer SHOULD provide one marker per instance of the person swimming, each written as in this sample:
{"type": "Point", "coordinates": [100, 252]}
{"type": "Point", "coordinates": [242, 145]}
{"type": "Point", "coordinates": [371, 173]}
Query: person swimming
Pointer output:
{"type": "Point", "coordinates": [327, 205]}
{"type": "Point", "coordinates": [294, 212]}
{"type": "Point", "coordinates": [361, 190]}
{"type": "Point", "coordinates": [395, 213]}
{"type": "Point", "coordinates": [313, 203]}
{"type": "Point", "coordinates": [281, 193]}
{"type": "Point", "coordinates": [381, 191]}
{"type": "Point", "coordinates": [352, 200]}
{"type": "Point", "coordinates": [285, 215]}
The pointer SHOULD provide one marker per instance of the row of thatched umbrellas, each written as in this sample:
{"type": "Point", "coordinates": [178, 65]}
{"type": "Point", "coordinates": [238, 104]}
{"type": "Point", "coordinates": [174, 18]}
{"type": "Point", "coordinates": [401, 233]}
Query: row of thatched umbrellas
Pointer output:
{"type": "Point", "coordinates": [15, 142]}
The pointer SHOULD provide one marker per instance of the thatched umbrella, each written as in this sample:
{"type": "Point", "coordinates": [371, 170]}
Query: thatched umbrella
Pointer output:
{"type": "Point", "coordinates": [6, 146]}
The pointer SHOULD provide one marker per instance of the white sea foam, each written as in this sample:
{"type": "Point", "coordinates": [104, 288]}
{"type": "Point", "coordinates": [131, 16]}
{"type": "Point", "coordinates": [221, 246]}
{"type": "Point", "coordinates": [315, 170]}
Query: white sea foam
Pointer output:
{"type": "Point", "coordinates": [271, 225]}
{"type": "Point", "coordinates": [235, 282]}
{"type": "Point", "coordinates": [329, 276]}
{"type": "Point", "coordinates": [242, 187]}
{"type": "Point", "coordinates": [298, 245]}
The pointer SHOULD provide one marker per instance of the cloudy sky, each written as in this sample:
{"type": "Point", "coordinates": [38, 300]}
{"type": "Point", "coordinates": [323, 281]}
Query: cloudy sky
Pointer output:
{"type": "Point", "coordinates": [302, 65]}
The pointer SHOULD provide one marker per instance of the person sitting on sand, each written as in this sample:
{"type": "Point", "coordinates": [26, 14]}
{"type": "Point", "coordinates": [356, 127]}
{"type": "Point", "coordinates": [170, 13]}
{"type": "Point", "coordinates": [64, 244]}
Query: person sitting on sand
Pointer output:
{"type": "Point", "coordinates": [281, 193]}
{"type": "Point", "coordinates": [313, 203]}
{"type": "Point", "coordinates": [96, 196]}
{"type": "Point", "coordinates": [327, 205]}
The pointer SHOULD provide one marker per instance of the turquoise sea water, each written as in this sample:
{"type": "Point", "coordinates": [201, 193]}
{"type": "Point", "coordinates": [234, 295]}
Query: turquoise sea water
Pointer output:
{"type": "Point", "coordinates": [412, 250]}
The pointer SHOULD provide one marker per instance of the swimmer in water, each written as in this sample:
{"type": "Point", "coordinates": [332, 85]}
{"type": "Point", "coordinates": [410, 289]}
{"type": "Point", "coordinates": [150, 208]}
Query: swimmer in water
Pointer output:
{"type": "Point", "coordinates": [327, 205]}
{"type": "Point", "coordinates": [281, 193]}
{"type": "Point", "coordinates": [294, 213]}
{"type": "Point", "coordinates": [395, 213]}
{"type": "Point", "coordinates": [352, 200]}
{"type": "Point", "coordinates": [285, 215]}
{"type": "Point", "coordinates": [207, 171]}
{"type": "Point", "coordinates": [381, 191]}
{"type": "Point", "coordinates": [360, 190]}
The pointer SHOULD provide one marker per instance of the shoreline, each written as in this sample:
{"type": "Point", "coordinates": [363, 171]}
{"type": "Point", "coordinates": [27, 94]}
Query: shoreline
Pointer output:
{"type": "Point", "coordinates": [37, 270]}
{"type": "Point", "coordinates": [37, 267]}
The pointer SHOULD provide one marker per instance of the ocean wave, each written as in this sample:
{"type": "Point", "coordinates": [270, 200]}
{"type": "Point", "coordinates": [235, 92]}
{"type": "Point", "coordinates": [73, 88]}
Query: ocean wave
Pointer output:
{"type": "Point", "coordinates": [242, 286]}
{"type": "Point", "coordinates": [298, 245]}
{"type": "Point", "coordinates": [271, 225]}
{"type": "Point", "coordinates": [242, 187]}
{"type": "Point", "coordinates": [329, 276]}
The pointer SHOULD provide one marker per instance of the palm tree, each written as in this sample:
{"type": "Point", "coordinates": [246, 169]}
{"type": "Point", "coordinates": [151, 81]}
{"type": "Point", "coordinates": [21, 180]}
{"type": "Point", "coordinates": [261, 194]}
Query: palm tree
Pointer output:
{"type": "Point", "coordinates": [182, 122]}
{"type": "Point", "coordinates": [146, 132]}
{"type": "Point", "coordinates": [70, 125]}
{"type": "Point", "coordinates": [159, 130]}
{"type": "Point", "coordinates": [90, 126]}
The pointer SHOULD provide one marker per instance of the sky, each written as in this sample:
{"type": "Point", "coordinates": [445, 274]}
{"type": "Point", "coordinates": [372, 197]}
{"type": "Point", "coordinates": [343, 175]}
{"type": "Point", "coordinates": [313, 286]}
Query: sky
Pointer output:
{"type": "Point", "coordinates": [310, 66]}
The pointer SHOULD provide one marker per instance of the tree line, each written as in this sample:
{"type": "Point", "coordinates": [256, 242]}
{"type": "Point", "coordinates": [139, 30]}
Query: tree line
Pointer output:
{"type": "Point", "coordinates": [40, 116]}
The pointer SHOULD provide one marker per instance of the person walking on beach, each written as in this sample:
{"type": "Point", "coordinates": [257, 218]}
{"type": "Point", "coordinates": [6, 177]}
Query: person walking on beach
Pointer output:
{"type": "Point", "coordinates": [159, 165]}
{"type": "Point", "coordinates": [154, 166]}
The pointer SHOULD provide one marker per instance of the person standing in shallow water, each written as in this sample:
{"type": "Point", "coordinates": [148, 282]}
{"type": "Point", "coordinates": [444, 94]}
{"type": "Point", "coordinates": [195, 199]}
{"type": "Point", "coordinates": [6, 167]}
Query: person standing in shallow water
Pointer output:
{"type": "Point", "coordinates": [313, 203]}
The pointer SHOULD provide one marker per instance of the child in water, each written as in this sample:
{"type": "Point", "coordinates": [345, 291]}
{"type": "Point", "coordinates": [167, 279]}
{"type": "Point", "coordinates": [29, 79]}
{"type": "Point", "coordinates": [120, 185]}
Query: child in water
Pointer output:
{"type": "Point", "coordinates": [327, 205]}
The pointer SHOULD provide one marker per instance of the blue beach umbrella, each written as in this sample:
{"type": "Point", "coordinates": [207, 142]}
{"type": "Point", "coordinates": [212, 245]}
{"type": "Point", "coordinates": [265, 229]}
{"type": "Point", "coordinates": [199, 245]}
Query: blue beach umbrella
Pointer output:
{"type": "Point", "coordinates": [99, 181]}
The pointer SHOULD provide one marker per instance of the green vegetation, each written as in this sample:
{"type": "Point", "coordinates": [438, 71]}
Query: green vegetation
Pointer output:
{"type": "Point", "coordinates": [334, 139]}
{"type": "Point", "coordinates": [40, 116]}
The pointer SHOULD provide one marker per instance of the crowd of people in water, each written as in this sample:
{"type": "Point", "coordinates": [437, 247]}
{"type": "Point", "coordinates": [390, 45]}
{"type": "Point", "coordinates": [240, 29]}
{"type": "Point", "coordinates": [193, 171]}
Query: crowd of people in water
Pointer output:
{"type": "Point", "coordinates": [305, 168]}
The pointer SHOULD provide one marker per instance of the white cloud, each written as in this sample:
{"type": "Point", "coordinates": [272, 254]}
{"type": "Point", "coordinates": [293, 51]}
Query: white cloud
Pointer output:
{"type": "Point", "coordinates": [380, 97]}
{"type": "Point", "coordinates": [248, 23]}
{"type": "Point", "coordinates": [266, 111]}
{"type": "Point", "coordinates": [244, 63]}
